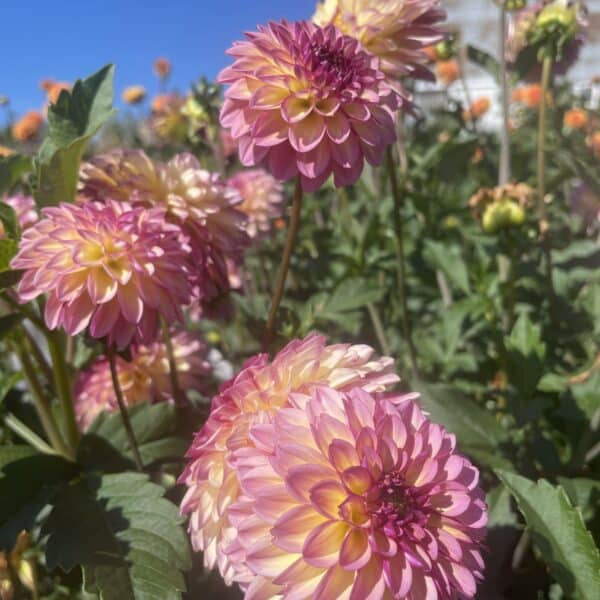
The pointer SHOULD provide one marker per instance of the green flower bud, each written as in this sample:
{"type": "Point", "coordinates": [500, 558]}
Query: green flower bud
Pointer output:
{"type": "Point", "coordinates": [558, 15]}
{"type": "Point", "coordinates": [445, 49]}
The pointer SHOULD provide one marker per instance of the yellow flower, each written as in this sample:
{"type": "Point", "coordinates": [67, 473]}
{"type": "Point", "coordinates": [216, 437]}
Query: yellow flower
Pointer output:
{"type": "Point", "coordinates": [134, 94]}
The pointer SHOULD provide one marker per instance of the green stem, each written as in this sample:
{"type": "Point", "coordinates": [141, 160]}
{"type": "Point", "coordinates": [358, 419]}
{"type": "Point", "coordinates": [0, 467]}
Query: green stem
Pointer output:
{"type": "Point", "coordinates": [284, 266]}
{"type": "Point", "coordinates": [28, 435]}
{"type": "Point", "coordinates": [504, 168]}
{"type": "Point", "coordinates": [123, 410]}
{"type": "Point", "coordinates": [39, 357]}
{"type": "Point", "coordinates": [401, 263]}
{"type": "Point", "coordinates": [378, 327]}
{"type": "Point", "coordinates": [41, 403]}
{"type": "Point", "coordinates": [178, 394]}
{"type": "Point", "coordinates": [23, 309]}
{"type": "Point", "coordinates": [541, 166]}
{"type": "Point", "coordinates": [62, 383]}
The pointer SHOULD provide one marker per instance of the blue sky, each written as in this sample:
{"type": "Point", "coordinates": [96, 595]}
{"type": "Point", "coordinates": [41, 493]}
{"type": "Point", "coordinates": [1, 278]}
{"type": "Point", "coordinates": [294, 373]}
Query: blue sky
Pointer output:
{"type": "Point", "coordinates": [68, 39]}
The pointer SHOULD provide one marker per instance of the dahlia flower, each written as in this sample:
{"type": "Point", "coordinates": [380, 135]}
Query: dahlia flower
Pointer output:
{"type": "Point", "coordinates": [28, 126]}
{"type": "Point", "coordinates": [529, 95]}
{"type": "Point", "coordinates": [24, 207]}
{"type": "Point", "coordinates": [477, 109]}
{"type": "Point", "coordinates": [108, 267]}
{"type": "Point", "coordinates": [134, 94]}
{"type": "Point", "coordinates": [396, 31]}
{"type": "Point", "coordinates": [357, 495]}
{"type": "Point", "coordinates": [309, 102]}
{"type": "Point", "coordinates": [145, 378]}
{"type": "Point", "coordinates": [262, 198]}
{"type": "Point", "coordinates": [195, 199]}
{"type": "Point", "coordinates": [501, 207]}
{"type": "Point", "coordinates": [576, 118]}
{"type": "Point", "coordinates": [447, 71]}
{"type": "Point", "coordinates": [162, 67]}
{"type": "Point", "coordinates": [167, 119]}
{"type": "Point", "coordinates": [254, 396]}
{"type": "Point", "coordinates": [6, 151]}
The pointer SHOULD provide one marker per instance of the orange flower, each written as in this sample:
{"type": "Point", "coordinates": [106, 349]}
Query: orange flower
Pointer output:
{"type": "Point", "coordinates": [529, 95]}
{"type": "Point", "coordinates": [161, 102]}
{"type": "Point", "coordinates": [447, 71]}
{"type": "Point", "coordinates": [4, 151]}
{"type": "Point", "coordinates": [575, 118]}
{"type": "Point", "coordinates": [431, 53]}
{"type": "Point", "coordinates": [28, 126]}
{"type": "Point", "coordinates": [477, 109]}
{"type": "Point", "coordinates": [162, 67]}
{"type": "Point", "coordinates": [53, 89]}
{"type": "Point", "coordinates": [134, 94]}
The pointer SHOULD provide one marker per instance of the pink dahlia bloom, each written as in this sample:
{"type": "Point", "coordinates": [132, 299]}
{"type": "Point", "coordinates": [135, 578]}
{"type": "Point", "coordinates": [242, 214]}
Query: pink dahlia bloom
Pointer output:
{"type": "Point", "coordinates": [308, 101]}
{"type": "Point", "coordinates": [396, 31]}
{"type": "Point", "coordinates": [262, 198]}
{"type": "Point", "coordinates": [24, 207]}
{"type": "Point", "coordinates": [198, 201]}
{"type": "Point", "coordinates": [254, 396]}
{"type": "Point", "coordinates": [107, 267]}
{"type": "Point", "coordinates": [146, 378]}
{"type": "Point", "coordinates": [357, 495]}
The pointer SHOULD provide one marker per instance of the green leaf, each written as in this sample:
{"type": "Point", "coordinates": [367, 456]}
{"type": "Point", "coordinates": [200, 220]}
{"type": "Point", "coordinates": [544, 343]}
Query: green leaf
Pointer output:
{"type": "Point", "coordinates": [352, 294]}
{"type": "Point", "coordinates": [478, 433]}
{"type": "Point", "coordinates": [73, 120]}
{"type": "Point", "coordinates": [8, 248]}
{"type": "Point", "coordinates": [584, 494]}
{"type": "Point", "coordinates": [124, 534]}
{"type": "Point", "coordinates": [558, 531]}
{"type": "Point", "coordinates": [105, 445]}
{"type": "Point", "coordinates": [587, 393]}
{"type": "Point", "coordinates": [8, 323]}
{"type": "Point", "coordinates": [9, 220]}
{"type": "Point", "coordinates": [485, 60]}
{"type": "Point", "coordinates": [12, 168]}
{"type": "Point", "coordinates": [27, 480]}
{"type": "Point", "coordinates": [448, 260]}
{"type": "Point", "coordinates": [7, 382]}
{"type": "Point", "coordinates": [526, 352]}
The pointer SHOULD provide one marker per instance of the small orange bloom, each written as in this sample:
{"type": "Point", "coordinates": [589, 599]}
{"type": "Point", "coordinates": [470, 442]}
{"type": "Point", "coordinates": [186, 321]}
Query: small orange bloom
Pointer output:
{"type": "Point", "coordinates": [576, 118]}
{"type": "Point", "coordinates": [161, 102]}
{"type": "Point", "coordinates": [53, 89]}
{"type": "Point", "coordinates": [431, 53]}
{"type": "Point", "coordinates": [162, 67]}
{"type": "Point", "coordinates": [4, 151]}
{"type": "Point", "coordinates": [529, 95]}
{"type": "Point", "coordinates": [134, 94]}
{"type": "Point", "coordinates": [447, 71]}
{"type": "Point", "coordinates": [477, 109]}
{"type": "Point", "coordinates": [28, 126]}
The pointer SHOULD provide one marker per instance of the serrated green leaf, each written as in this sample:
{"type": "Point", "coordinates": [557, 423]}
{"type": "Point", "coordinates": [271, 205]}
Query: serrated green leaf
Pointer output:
{"type": "Point", "coordinates": [73, 120]}
{"type": "Point", "coordinates": [105, 445]}
{"type": "Point", "coordinates": [124, 534]}
{"type": "Point", "coordinates": [12, 168]}
{"type": "Point", "coordinates": [558, 531]}
{"type": "Point", "coordinates": [27, 479]}
{"type": "Point", "coordinates": [478, 433]}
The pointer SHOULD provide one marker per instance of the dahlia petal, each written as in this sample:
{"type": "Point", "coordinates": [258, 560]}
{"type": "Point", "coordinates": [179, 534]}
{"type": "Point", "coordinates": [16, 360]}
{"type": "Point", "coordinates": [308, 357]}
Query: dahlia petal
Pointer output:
{"type": "Point", "coordinates": [131, 304]}
{"type": "Point", "coordinates": [295, 109]}
{"type": "Point", "coordinates": [308, 133]}
{"type": "Point", "coordinates": [77, 314]}
{"type": "Point", "coordinates": [334, 584]}
{"type": "Point", "coordinates": [100, 286]}
{"type": "Point", "coordinates": [269, 561]}
{"type": "Point", "coordinates": [282, 162]}
{"type": "Point", "coordinates": [358, 111]}
{"type": "Point", "coordinates": [289, 532]}
{"type": "Point", "coordinates": [369, 583]}
{"type": "Point", "coordinates": [358, 480]}
{"type": "Point", "coordinates": [355, 552]}
{"type": "Point", "coordinates": [266, 97]}
{"type": "Point", "coordinates": [347, 154]}
{"type": "Point", "coordinates": [398, 574]}
{"type": "Point", "coordinates": [327, 497]}
{"type": "Point", "coordinates": [322, 546]}
{"type": "Point", "coordinates": [53, 312]}
{"type": "Point", "coordinates": [302, 478]}
{"type": "Point", "coordinates": [315, 163]}
{"type": "Point", "coordinates": [104, 319]}
{"type": "Point", "coordinates": [343, 455]}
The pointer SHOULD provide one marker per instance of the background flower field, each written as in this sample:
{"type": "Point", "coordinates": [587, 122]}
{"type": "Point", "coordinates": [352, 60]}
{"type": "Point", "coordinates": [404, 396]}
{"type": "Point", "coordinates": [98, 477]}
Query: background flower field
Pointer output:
{"type": "Point", "coordinates": [161, 363]}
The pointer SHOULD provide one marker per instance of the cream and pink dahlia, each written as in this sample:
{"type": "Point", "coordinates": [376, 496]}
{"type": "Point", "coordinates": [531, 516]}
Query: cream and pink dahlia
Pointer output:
{"type": "Point", "coordinates": [108, 267]}
{"type": "Point", "coordinates": [308, 101]}
{"type": "Point", "coordinates": [396, 31]}
{"type": "Point", "coordinates": [254, 396]}
{"type": "Point", "coordinates": [262, 198]}
{"type": "Point", "coordinates": [195, 199]}
{"type": "Point", "coordinates": [145, 378]}
{"type": "Point", "coordinates": [24, 207]}
{"type": "Point", "coordinates": [356, 495]}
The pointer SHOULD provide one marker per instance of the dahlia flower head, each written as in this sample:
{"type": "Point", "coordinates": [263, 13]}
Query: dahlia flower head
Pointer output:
{"type": "Point", "coordinates": [145, 378]}
{"type": "Point", "coordinates": [108, 267]}
{"type": "Point", "coordinates": [24, 207]}
{"type": "Point", "coordinates": [194, 199]}
{"type": "Point", "coordinates": [396, 31]}
{"type": "Point", "coordinates": [253, 396]}
{"type": "Point", "coordinates": [357, 495]}
{"type": "Point", "coordinates": [262, 198]}
{"type": "Point", "coordinates": [308, 101]}
{"type": "Point", "coordinates": [28, 126]}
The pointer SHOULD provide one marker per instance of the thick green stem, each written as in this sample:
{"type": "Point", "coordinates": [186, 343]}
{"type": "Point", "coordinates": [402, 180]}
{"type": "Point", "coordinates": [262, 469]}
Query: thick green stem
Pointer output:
{"type": "Point", "coordinates": [401, 263]}
{"type": "Point", "coordinates": [284, 266]}
{"type": "Point", "coordinates": [178, 394]}
{"type": "Point", "coordinates": [62, 383]}
{"type": "Point", "coordinates": [504, 168]}
{"type": "Point", "coordinates": [41, 403]}
{"type": "Point", "coordinates": [40, 358]}
{"type": "Point", "coordinates": [123, 410]}
{"type": "Point", "coordinates": [544, 225]}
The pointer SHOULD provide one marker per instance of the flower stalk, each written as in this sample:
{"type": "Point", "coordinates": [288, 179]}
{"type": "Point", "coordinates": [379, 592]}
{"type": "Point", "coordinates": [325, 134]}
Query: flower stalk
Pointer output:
{"type": "Point", "coordinates": [284, 265]}
{"type": "Point", "coordinates": [123, 409]}
{"type": "Point", "coordinates": [178, 393]}
{"type": "Point", "coordinates": [504, 167]}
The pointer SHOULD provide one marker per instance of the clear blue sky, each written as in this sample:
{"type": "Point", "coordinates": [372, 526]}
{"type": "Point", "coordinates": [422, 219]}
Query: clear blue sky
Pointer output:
{"type": "Point", "coordinates": [68, 39]}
